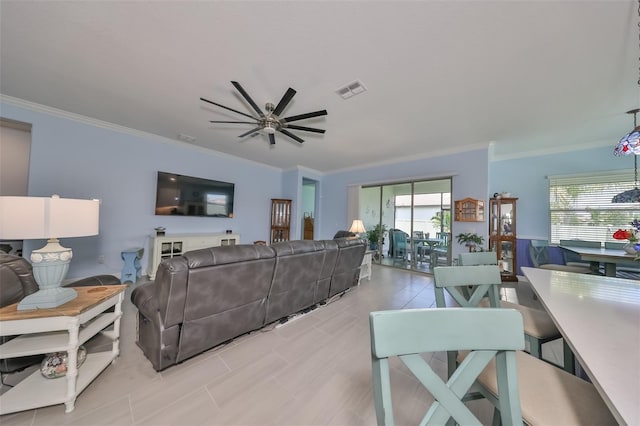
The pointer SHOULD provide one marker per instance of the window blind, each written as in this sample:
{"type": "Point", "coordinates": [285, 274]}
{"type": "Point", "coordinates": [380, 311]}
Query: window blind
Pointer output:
{"type": "Point", "coordinates": [580, 206]}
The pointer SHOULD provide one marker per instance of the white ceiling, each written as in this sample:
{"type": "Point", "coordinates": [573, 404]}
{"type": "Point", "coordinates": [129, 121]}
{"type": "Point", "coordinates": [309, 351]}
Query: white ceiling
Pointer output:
{"type": "Point", "coordinates": [441, 75]}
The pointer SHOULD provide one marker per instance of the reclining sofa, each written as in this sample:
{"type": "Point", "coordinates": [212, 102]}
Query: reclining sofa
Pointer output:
{"type": "Point", "coordinates": [207, 297]}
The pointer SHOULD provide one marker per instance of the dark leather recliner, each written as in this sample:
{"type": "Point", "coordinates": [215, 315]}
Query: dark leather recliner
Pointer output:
{"type": "Point", "coordinates": [343, 234]}
{"type": "Point", "coordinates": [17, 282]}
{"type": "Point", "coordinates": [206, 297]}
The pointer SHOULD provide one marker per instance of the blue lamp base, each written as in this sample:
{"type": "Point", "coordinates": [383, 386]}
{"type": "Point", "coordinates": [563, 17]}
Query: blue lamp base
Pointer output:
{"type": "Point", "coordinates": [45, 299]}
{"type": "Point", "coordinates": [50, 266]}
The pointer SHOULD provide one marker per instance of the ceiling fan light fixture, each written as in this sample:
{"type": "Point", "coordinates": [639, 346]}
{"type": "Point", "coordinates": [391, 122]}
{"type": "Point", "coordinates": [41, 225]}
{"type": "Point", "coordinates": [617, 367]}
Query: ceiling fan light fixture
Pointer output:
{"type": "Point", "coordinates": [270, 122]}
{"type": "Point", "coordinates": [269, 129]}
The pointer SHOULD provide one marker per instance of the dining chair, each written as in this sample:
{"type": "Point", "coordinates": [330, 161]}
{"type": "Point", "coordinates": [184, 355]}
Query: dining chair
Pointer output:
{"type": "Point", "coordinates": [400, 243]}
{"type": "Point", "coordinates": [573, 259]}
{"type": "Point", "coordinates": [441, 250]}
{"type": "Point", "coordinates": [420, 248]}
{"type": "Point", "coordinates": [478, 258]}
{"type": "Point", "coordinates": [542, 385]}
{"type": "Point", "coordinates": [406, 334]}
{"type": "Point", "coordinates": [480, 270]}
{"type": "Point", "coordinates": [539, 257]}
{"type": "Point", "coordinates": [548, 395]}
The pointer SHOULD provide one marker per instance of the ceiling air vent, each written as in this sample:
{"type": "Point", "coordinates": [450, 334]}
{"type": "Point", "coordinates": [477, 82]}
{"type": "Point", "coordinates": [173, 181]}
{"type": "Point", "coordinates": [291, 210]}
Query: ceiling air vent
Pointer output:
{"type": "Point", "coordinates": [351, 89]}
{"type": "Point", "coordinates": [186, 138]}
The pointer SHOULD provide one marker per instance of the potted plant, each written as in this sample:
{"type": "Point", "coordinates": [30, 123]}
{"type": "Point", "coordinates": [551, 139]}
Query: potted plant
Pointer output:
{"type": "Point", "coordinates": [471, 240]}
{"type": "Point", "coordinates": [375, 235]}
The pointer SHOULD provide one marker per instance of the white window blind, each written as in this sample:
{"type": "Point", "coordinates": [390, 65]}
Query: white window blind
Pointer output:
{"type": "Point", "coordinates": [580, 206]}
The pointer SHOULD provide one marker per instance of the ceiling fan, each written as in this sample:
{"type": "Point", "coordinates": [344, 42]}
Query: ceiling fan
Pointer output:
{"type": "Point", "coordinates": [270, 121]}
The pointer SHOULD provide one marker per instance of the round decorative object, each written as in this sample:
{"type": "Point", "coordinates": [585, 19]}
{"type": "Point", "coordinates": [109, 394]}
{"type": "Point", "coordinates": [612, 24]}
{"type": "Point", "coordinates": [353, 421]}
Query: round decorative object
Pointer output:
{"type": "Point", "coordinates": [54, 365]}
{"type": "Point", "coordinates": [630, 248]}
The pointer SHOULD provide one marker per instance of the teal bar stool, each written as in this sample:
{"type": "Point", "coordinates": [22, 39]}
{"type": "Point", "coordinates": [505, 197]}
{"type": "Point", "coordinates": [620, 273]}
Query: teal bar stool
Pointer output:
{"type": "Point", "coordinates": [489, 334]}
{"type": "Point", "coordinates": [539, 328]}
{"type": "Point", "coordinates": [481, 268]}
{"type": "Point", "coordinates": [132, 269]}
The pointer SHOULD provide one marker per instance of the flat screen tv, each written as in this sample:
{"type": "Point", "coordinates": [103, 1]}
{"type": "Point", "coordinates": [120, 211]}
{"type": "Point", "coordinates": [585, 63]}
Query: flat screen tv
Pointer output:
{"type": "Point", "coordinates": [190, 196]}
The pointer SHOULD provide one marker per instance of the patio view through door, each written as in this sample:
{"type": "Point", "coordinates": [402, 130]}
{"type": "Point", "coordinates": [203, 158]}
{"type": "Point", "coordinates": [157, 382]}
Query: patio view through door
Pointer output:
{"type": "Point", "coordinates": [416, 219]}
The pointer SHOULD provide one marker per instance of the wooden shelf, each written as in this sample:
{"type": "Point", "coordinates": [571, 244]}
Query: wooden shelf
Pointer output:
{"type": "Point", "coordinates": [65, 328]}
{"type": "Point", "coordinates": [469, 210]}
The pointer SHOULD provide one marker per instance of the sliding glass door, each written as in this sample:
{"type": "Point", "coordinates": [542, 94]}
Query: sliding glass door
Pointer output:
{"type": "Point", "coordinates": [415, 218]}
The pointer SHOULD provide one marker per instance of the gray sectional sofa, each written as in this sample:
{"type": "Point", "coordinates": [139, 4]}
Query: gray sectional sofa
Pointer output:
{"type": "Point", "coordinates": [207, 297]}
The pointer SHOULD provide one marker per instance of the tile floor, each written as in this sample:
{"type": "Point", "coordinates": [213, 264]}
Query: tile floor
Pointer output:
{"type": "Point", "coordinates": [314, 370]}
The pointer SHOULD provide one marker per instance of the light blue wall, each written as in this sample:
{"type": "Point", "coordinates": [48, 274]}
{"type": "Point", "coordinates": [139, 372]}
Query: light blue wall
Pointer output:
{"type": "Point", "coordinates": [470, 179]}
{"type": "Point", "coordinates": [79, 160]}
{"type": "Point", "coordinates": [526, 178]}
{"type": "Point", "coordinates": [73, 158]}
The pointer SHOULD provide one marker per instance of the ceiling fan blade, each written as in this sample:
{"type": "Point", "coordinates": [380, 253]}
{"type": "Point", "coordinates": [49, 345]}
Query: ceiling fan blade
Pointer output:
{"type": "Point", "coordinates": [230, 109]}
{"type": "Point", "coordinates": [241, 122]}
{"type": "Point", "coordinates": [286, 98]}
{"type": "Point", "coordinates": [307, 115]}
{"type": "Point", "coordinates": [248, 98]}
{"type": "Point", "coordinates": [291, 135]}
{"type": "Point", "coordinates": [272, 139]}
{"type": "Point", "coordinates": [306, 129]}
{"type": "Point", "coordinates": [250, 131]}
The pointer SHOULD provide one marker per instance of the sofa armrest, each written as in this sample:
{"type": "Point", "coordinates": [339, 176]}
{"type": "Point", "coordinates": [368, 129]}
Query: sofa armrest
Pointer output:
{"type": "Point", "coordinates": [143, 298]}
{"type": "Point", "coordinates": [95, 280]}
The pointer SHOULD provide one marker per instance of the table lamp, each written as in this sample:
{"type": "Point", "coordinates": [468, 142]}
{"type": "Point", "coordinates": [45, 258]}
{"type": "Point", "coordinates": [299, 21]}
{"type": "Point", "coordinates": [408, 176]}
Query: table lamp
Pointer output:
{"type": "Point", "coordinates": [28, 218]}
{"type": "Point", "coordinates": [357, 227]}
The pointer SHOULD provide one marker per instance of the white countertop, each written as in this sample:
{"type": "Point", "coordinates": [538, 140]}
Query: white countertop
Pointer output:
{"type": "Point", "coordinates": [600, 319]}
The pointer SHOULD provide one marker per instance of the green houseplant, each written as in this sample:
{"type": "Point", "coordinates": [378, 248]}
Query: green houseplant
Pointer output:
{"type": "Point", "coordinates": [471, 240]}
{"type": "Point", "coordinates": [375, 235]}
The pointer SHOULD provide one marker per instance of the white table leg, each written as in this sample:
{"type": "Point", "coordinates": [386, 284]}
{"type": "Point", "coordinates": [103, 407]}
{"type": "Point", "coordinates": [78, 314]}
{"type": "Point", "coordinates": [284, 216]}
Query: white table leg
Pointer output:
{"type": "Point", "coordinates": [116, 328]}
{"type": "Point", "coordinates": [72, 365]}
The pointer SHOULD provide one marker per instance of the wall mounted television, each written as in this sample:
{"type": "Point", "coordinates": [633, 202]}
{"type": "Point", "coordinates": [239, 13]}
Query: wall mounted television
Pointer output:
{"type": "Point", "coordinates": [178, 195]}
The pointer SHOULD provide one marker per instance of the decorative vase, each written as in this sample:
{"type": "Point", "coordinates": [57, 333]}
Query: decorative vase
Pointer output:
{"type": "Point", "coordinates": [630, 248]}
{"type": "Point", "coordinates": [54, 365]}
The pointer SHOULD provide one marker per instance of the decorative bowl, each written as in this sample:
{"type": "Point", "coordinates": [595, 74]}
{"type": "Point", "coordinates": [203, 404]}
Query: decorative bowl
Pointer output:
{"type": "Point", "coordinates": [54, 365]}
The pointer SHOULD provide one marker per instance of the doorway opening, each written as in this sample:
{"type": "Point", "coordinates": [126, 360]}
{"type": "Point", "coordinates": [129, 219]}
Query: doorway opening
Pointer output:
{"type": "Point", "coordinates": [309, 192]}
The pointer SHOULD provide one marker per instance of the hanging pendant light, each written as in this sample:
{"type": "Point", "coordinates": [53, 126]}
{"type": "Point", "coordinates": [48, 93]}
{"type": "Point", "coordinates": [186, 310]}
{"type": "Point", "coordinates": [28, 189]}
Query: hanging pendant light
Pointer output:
{"type": "Point", "coordinates": [630, 145]}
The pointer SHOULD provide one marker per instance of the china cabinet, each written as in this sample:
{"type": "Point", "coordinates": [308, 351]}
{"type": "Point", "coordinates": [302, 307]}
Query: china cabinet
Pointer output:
{"type": "Point", "coordinates": [502, 235]}
{"type": "Point", "coordinates": [280, 220]}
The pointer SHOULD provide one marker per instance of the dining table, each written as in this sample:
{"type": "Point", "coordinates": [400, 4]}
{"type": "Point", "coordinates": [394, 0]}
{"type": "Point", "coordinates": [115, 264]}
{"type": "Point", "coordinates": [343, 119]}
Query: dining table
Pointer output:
{"type": "Point", "coordinates": [419, 243]}
{"type": "Point", "coordinates": [599, 318]}
{"type": "Point", "coordinates": [610, 257]}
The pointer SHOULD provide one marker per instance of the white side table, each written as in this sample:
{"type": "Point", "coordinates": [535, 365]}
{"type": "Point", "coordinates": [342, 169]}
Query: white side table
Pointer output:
{"type": "Point", "coordinates": [63, 328]}
{"type": "Point", "coordinates": [365, 268]}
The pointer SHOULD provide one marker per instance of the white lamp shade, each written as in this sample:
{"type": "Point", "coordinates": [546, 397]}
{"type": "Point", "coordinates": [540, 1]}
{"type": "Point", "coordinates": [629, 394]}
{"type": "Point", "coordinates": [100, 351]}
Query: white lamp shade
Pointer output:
{"type": "Point", "coordinates": [24, 218]}
{"type": "Point", "coordinates": [357, 227]}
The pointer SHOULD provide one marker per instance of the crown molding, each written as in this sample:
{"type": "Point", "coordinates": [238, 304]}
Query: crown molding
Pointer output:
{"type": "Point", "coordinates": [56, 112]}
{"type": "Point", "coordinates": [430, 154]}
{"type": "Point", "coordinates": [550, 150]}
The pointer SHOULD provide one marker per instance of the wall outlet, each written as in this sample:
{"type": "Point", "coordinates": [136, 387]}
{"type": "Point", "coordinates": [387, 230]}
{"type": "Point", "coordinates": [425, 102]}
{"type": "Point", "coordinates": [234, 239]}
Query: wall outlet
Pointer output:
{"type": "Point", "coordinates": [101, 258]}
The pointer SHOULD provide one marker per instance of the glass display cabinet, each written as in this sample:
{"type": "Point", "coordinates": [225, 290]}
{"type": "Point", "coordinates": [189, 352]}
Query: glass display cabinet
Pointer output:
{"type": "Point", "coordinates": [502, 235]}
{"type": "Point", "coordinates": [280, 220]}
